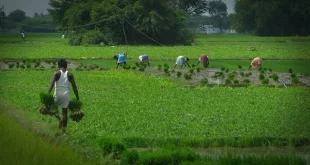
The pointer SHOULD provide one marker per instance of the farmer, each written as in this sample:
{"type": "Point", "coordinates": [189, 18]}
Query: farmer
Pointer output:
{"type": "Point", "coordinates": [23, 36]}
{"type": "Point", "coordinates": [144, 59]}
{"type": "Point", "coordinates": [121, 59]}
{"type": "Point", "coordinates": [204, 59]}
{"type": "Point", "coordinates": [181, 60]}
{"type": "Point", "coordinates": [61, 81]}
{"type": "Point", "coordinates": [256, 63]}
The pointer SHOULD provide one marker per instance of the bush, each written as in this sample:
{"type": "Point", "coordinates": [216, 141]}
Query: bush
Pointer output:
{"type": "Point", "coordinates": [179, 74]}
{"type": "Point", "coordinates": [198, 69]}
{"type": "Point", "coordinates": [166, 69]}
{"type": "Point", "coordinates": [133, 67]}
{"type": "Point", "coordinates": [127, 67]}
{"type": "Point", "coordinates": [290, 70]}
{"type": "Point", "coordinates": [241, 74]}
{"type": "Point", "coordinates": [295, 80]}
{"type": "Point", "coordinates": [75, 40]}
{"type": "Point", "coordinates": [228, 81]}
{"type": "Point", "coordinates": [11, 66]}
{"type": "Point", "coordinates": [112, 146]}
{"type": "Point", "coordinates": [191, 70]}
{"type": "Point", "coordinates": [204, 81]}
{"type": "Point", "coordinates": [231, 76]}
{"type": "Point", "coordinates": [159, 67]}
{"type": "Point", "coordinates": [130, 157]}
{"type": "Point", "coordinates": [239, 66]}
{"type": "Point", "coordinates": [222, 68]}
{"type": "Point", "coordinates": [227, 70]}
{"type": "Point", "coordinates": [188, 76]}
{"type": "Point", "coordinates": [265, 81]}
{"type": "Point", "coordinates": [275, 77]}
{"type": "Point", "coordinates": [236, 81]}
{"type": "Point", "coordinates": [92, 37]}
{"type": "Point", "coordinates": [261, 76]}
{"type": "Point", "coordinates": [141, 68]}
{"type": "Point", "coordinates": [293, 75]}
{"type": "Point", "coordinates": [246, 81]}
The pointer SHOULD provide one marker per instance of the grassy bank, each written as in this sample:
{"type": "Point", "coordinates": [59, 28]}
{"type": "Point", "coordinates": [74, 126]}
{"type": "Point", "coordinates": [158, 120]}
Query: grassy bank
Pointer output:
{"type": "Point", "coordinates": [20, 146]}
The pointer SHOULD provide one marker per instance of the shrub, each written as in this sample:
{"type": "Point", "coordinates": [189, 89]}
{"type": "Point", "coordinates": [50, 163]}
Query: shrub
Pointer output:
{"type": "Point", "coordinates": [166, 65]}
{"type": "Point", "coordinates": [261, 76]}
{"type": "Point", "coordinates": [141, 68]}
{"type": "Point", "coordinates": [293, 75]}
{"type": "Point", "coordinates": [246, 81]}
{"type": "Point", "coordinates": [231, 76]}
{"type": "Point", "coordinates": [133, 67]}
{"type": "Point", "coordinates": [270, 70]}
{"type": "Point", "coordinates": [295, 80]}
{"type": "Point", "coordinates": [204, 81]}
{"type": "Point", "coordinates": [159, 67]}
{"type": "Point", "coordinates": [28, 65]}
{"type": "Point", "coordinates": [275, 77]}
{"type": "Point", "coordinates": [198, 69]}
{"type": "Point", "coordinates": [290, 70]}
{"type": "Point", "coordinates": [92, 37]}
{"type": "Point", "coordinates": [112, 146]}
{"type": "Point", "coordinates": [127, 67]}
{"type": "Point", "coordinates": [179, 74]}
{"type": "Point", "coordinates": [191, 70]}
{"type": "Point", "coordinates": [239, 67]}
{"type": "Point", "coordinates": [193, 65]}
{"type": "Point", "coordinates": [222, 68]}
{"type": "Point", "coordinates": [236, 81]}
{"type": "Point", "coordinates": [265, 81]}
{"type": "Point", "coordinates": [227, 70]}
{"type": "Point", "coordinates": [188, 76]}
{"type": "Point", "coordinates": [22, 66]}
{"type": "Point", "coordinates": [219, 74]}
{"type": "Point", "coordinates": [166, 69]}
{"type": "Point", "coordinates": [130, 157]}
{"type": "Point", "coordinates": [241, 74]}
{"type": "Point", "coordinates": [75, 40]}
{"type": "Point", "coordinates": [11, 66]}
{"type": "Point", "coordinates": [228, 81]}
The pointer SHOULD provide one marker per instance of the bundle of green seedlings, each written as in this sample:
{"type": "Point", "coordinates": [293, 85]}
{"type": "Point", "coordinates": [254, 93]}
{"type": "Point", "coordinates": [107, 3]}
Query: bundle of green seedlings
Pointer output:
{"type": "Point", "coordinates": [75, 109]}
{"type": "Point", "coordinates": [48, 107]}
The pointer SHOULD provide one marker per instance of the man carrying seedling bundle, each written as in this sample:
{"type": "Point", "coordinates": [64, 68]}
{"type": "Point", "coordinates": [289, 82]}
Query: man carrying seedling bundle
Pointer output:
{"type": "Point", "coordinates": [181, 60]}
{"type": "Point", "coordinates": [204, 59]}
{"type": "Point", "coordinates": [256, 63]}
{"type": "Point", "coordinates": [121, 59]}
{"type": "Point", "coordinates": [144, 59]}
{"type": "Point", "coordinates": [61, 81]}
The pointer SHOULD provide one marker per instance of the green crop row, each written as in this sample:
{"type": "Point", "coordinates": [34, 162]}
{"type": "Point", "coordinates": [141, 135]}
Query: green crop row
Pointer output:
{"type": "Point", "coordinates": [129, 105]}
{"type": "Point", "coordinates": [234, 47]}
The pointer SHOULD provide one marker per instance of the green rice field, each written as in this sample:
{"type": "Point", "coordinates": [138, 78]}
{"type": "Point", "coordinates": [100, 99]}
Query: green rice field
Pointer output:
{"type": "Point", "coordinates": [137, 118]}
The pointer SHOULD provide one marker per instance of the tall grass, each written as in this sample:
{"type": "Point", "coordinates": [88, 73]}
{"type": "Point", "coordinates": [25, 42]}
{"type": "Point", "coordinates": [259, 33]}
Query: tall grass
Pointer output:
{"type": "Point", "coordinates": [18, 146]}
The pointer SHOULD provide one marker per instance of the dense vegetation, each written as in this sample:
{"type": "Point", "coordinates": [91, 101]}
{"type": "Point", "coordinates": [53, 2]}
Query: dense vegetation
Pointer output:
{"type": "Point", "coordinates": [273, 17]}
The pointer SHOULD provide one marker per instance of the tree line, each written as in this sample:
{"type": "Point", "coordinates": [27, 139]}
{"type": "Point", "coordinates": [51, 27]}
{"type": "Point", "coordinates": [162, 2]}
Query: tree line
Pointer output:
{"type": "Point", "coordinates": [131, 21]}
{"type": "Point", "coordinates": [17, 19]}
{"type": "Point", "coordinates": [272, 17]}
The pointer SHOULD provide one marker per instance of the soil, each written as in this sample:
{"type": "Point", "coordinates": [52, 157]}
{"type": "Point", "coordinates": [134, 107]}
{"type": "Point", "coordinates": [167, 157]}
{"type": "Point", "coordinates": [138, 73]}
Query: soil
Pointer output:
{"type": "Point", "coordinates": [284, 80]}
